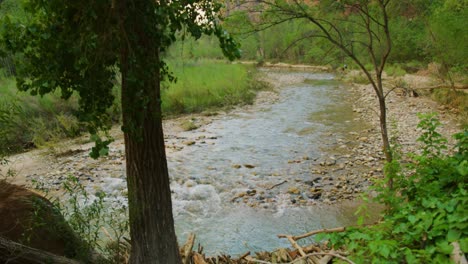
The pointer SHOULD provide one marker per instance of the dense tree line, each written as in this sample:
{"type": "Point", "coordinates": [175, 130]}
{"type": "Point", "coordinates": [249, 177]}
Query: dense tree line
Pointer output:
{"type": "Point", "coordinates": [422, 32]}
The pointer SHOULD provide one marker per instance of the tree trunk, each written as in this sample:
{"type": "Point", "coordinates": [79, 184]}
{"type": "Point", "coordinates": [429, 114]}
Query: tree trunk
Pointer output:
{"type": "Point", "coordinates": [151, 222]}
{"type": "Point", "coordinates": [384, 132]}
{"type": "Point", "coordinates": [152, 232]}
{"type": "Point", "coordinates": [15, 253]}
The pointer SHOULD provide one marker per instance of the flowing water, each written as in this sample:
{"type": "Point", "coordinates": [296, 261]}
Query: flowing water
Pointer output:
{"type": "Point", "coordinates": [249, 151]}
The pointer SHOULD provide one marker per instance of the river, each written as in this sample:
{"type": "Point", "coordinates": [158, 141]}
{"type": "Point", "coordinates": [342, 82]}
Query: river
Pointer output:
{"type": "Point", "coordinates": [222, 186]}
{"type": "Point", "coordinates": [281, 165]}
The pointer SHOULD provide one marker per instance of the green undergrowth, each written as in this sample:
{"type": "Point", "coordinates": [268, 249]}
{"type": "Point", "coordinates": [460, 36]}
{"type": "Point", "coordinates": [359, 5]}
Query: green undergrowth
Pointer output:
{"type": "Point", "coordinates": [37, 121]}
{"type": "Point", "coordinates": [99, 221]}
{"type": "Point", "coordinates": [32, 121]}
{"type": "Point", "coordinates": [203, 85]}
{"type": "Point", "coordinates": [426, 210]}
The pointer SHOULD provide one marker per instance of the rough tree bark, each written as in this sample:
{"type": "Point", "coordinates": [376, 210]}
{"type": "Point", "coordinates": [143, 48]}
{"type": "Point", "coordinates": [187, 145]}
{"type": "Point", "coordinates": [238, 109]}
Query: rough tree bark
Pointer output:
{"type": "Point", "coordinates": [153, 238]}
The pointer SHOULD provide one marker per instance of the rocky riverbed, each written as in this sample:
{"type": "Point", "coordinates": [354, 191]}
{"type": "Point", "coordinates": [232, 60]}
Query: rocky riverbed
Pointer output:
{"type": "Point", "coordinates": [346, 166]}
{"type": "Point", "coordinates": [294, 161]}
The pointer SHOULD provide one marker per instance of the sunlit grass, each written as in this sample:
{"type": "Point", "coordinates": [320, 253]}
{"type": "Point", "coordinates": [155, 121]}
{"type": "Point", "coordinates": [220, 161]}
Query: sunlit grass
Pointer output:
{"type": "Point", "coordinates": [208, 84]}
{"type": "Point", "coordinates": [201, 85]}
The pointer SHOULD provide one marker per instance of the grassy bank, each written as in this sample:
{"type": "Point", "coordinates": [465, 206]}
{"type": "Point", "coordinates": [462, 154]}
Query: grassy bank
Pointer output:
{"type": "Point", "coordinates": [27, 121]}
{"type": "Point", "coordinates": [203, 85]}
{"type": "Point", "coordinates": [455, 99]}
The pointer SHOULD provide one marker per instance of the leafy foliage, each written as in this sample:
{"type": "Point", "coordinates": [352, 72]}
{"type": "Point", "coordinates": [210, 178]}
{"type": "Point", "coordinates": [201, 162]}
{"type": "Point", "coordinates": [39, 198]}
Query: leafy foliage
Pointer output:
{"type": "Point", "coordinates": [101, 222]}
{"type": "Point", "coordinates": [75, 47]}
{"type": "Point", "coordinates": [426, 211]}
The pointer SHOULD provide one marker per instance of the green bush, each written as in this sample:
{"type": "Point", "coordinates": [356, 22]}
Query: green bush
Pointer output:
{"type": "Point", "coordinates": [395, 70]}
{"type": "Point", "coordinates": [102, 224]}
{"type": "Point", "coordinates": [426, 209]}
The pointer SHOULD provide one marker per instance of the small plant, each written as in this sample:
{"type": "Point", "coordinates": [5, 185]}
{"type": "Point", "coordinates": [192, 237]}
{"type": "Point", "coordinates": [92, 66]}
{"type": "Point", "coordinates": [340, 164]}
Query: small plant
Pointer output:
{"type": "Point", "coordinates": [189, 125]}
{"type": "Point", "coordinates": [357, 78]}
{"type": "Point", "coordinates": [100, 223]}
{"type": "Point", "coordinates": [6, 173]}
{"type": "Point", "coordinates": [425, 217]}
{"type": "Point", "coordinates": [395, 70]}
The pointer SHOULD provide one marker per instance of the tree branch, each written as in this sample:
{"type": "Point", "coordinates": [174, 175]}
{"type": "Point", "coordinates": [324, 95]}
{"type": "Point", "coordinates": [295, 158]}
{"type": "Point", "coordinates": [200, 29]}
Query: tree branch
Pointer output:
{"type": "Point", "coordinates": [330, 230]}
{"type": "Point", "coordinates": [15, 253]}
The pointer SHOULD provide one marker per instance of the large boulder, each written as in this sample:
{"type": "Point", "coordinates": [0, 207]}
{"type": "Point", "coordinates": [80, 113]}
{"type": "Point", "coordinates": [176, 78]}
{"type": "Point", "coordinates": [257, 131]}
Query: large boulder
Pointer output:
{"type": "Point", "coordinates": [30, 219]}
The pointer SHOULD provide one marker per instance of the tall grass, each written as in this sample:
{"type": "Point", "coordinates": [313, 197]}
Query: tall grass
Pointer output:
{"type": "Point", "coordinates": [207, 84]}
{"type": "Point", "coordinates": [458, 100]}
{"type": "Point", "coordinates": [32, 121]}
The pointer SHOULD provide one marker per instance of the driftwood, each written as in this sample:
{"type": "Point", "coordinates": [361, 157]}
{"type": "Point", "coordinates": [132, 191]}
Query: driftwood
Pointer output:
{"type": "Point", "coordinates": [330, 230]}
{"type": "Point", "coordinates": [198, 259]}
{"type": "Point", "coordinates": [276, 185]}
{"type": "Point", "coordinates": [316, 251]}
{"type": "Point", "coordinates": [15, 253]}
{"type": "Point", "coordinates": [311, 254]}
{"type": "Point", "coordinates": [244, 255]}
{"type": "Point", "coordinates": [186, 250]}
{"type": "Point", "coordinates": [295, 245]}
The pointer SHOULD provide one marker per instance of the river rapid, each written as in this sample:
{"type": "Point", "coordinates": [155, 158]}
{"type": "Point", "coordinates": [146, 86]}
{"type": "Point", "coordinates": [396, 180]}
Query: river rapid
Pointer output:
{"type": "Point", "coordinates": [293, 162]}
{"type": "Point", "coordinates": [252, 173]}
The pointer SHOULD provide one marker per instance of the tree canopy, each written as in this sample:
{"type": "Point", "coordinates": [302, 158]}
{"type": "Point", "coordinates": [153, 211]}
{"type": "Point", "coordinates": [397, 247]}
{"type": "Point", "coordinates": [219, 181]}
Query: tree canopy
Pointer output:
{"type": "Point", "coordinates": [76, 46]}
{"type": "Point", "coordinates": [83, 47]}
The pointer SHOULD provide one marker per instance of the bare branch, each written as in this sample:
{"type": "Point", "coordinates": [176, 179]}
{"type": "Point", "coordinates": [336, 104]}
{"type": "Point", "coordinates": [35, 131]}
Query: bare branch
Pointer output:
{"type": "Point", "coordinates": [367, 14]}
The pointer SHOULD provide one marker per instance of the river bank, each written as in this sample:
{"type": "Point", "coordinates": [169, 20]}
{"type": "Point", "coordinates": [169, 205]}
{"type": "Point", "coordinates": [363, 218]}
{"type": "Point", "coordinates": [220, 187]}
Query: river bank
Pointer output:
{"type": "Point", "coordinates": [348, 162]}
{"type": "Point", "coordinates": [294, 161]}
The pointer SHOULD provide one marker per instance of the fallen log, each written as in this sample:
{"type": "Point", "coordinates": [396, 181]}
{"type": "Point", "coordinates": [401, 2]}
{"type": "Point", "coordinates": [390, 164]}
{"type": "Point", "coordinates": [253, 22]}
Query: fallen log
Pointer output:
{"type": "Point", "coordinates": [15, 253]}
{"type": "Point", "coordinates": [330, 230]}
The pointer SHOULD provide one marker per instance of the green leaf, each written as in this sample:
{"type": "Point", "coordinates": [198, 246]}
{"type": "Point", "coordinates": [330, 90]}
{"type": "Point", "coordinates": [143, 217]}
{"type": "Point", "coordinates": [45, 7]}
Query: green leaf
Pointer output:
{"type": "Point", "coordinates": [453, 235]}
{"type": "Point", "coordinates": [104, 151]}
{"type": "Point", "coordinates": [385, 251]}
{"type": "Point", "coordinates": [412, 219]}
{"type": "Point", "coordinates": [462, 168]}
{"type": "Point", "coordinates": [95, 137]}
{"type": "Point", "coordinates": [444, 247]}
{"type": "Point", "coordinates": [464, 245]}
{"type": "Point", "coordinates": [409, 256]}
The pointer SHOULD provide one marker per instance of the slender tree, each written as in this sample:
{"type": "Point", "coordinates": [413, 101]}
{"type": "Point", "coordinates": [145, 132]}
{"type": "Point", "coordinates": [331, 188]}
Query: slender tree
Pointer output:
{"type": "Point", "coordinates": [359, 28]}
{"type": "Point", "coordinates": [80, 47]}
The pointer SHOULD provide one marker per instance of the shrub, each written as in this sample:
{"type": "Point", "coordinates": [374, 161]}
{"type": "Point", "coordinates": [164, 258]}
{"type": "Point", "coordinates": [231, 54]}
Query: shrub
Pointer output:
{"type": "Point", "coordinates": [426, 209]}
{"type": "Point", "coordinates": [100, 222]}
{"type": "Point", "coordinates": [395, 70]}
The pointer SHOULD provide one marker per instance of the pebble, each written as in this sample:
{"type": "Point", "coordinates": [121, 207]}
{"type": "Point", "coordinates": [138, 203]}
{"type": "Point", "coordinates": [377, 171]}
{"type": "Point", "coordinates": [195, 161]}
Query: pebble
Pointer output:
{"type": "Point", "coordinates": [189, 143]}
{"type": "Point", "coordinates": [293, 190]}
